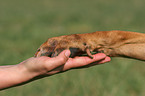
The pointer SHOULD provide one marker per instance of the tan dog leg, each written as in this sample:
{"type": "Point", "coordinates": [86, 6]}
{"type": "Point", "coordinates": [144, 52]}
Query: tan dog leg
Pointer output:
{"type": "Point", "coordinates": [132, 50]}
{"type": "Point", "coordinates": [112, 43]}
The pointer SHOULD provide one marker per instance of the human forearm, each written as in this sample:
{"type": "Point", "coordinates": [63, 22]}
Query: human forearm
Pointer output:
{"type": "Point", "coordinates": [12, 75]}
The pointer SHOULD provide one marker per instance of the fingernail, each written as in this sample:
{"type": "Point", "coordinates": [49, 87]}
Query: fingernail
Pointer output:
{"type": "Point", "coordinates": [108, 59]}
{"type": "Point", "coordinates": [102, 55]}
{"type": "Point", "coordinates": [67, 53]}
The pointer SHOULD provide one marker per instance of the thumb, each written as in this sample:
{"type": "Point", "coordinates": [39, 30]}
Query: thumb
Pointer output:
{"type": "Point", "coordinates": [60, 59]}
{"type": "Point", "coordinates": [64, 55]}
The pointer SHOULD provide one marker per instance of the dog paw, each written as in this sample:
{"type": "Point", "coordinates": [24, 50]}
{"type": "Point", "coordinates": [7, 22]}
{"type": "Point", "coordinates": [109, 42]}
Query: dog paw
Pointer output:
{"type": "Point", "coordinates": [75, 43]}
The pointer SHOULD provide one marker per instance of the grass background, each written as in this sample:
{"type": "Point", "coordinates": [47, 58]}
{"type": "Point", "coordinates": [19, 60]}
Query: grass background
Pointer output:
{"type": "Point", "coordinates": [25, 24]}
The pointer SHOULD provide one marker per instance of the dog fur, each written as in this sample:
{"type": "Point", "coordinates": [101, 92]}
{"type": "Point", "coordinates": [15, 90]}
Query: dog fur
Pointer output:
{"type": "Point", "coordinates": [112, 43]}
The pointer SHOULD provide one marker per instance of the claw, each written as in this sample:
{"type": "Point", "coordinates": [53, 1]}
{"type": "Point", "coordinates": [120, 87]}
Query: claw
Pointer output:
{"type": "Point", "coordinates": [89, 53]}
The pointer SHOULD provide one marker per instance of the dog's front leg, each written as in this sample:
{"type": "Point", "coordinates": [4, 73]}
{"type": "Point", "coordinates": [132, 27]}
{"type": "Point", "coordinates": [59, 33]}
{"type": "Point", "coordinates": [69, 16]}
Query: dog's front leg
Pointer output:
{"type": "Point", "coordinates": [131, 50]}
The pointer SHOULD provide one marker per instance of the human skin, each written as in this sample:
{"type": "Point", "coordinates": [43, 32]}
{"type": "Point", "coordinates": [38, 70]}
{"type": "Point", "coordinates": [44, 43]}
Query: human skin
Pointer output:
{"type": "Point", "coordinates": [40, 67]}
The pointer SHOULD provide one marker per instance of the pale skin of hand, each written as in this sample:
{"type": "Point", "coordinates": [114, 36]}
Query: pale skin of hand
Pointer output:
{"type": "Point", "coordinates": [40, 67]}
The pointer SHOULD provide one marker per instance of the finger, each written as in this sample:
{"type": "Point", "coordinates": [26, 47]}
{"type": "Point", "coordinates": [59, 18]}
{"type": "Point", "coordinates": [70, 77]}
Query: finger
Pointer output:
{"type": "Point", "coordinates": [67, 65]}
{"type": "Point", "coordinates": [83, 61]}
{"type": "Point", "coordinates": [58, 61]}
{"type": "Point", "coordinates": [107, 59]}
{"type": "Point", "coordinates": [63, 68]}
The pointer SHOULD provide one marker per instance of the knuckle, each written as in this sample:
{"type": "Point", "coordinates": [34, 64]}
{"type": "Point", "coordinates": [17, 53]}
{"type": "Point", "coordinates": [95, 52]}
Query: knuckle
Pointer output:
{"type": "Point", "coordinates": [62, 60]}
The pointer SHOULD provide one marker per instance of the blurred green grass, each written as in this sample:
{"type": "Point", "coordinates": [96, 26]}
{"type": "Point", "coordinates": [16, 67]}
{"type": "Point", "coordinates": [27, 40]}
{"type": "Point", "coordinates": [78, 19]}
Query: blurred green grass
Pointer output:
{"type": "Point", "coordinates": [24, 25]}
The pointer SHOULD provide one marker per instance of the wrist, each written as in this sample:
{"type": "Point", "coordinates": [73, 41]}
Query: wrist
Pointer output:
{"type": "Point", "coordinates": [26, 74]}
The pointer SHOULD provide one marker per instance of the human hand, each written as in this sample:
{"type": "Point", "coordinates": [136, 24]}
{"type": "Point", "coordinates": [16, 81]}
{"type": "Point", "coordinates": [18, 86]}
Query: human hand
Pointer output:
{"type": "Point", "coordinates": [47, 66]}
{"type": "Point", "coordinates": [36, 68]}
